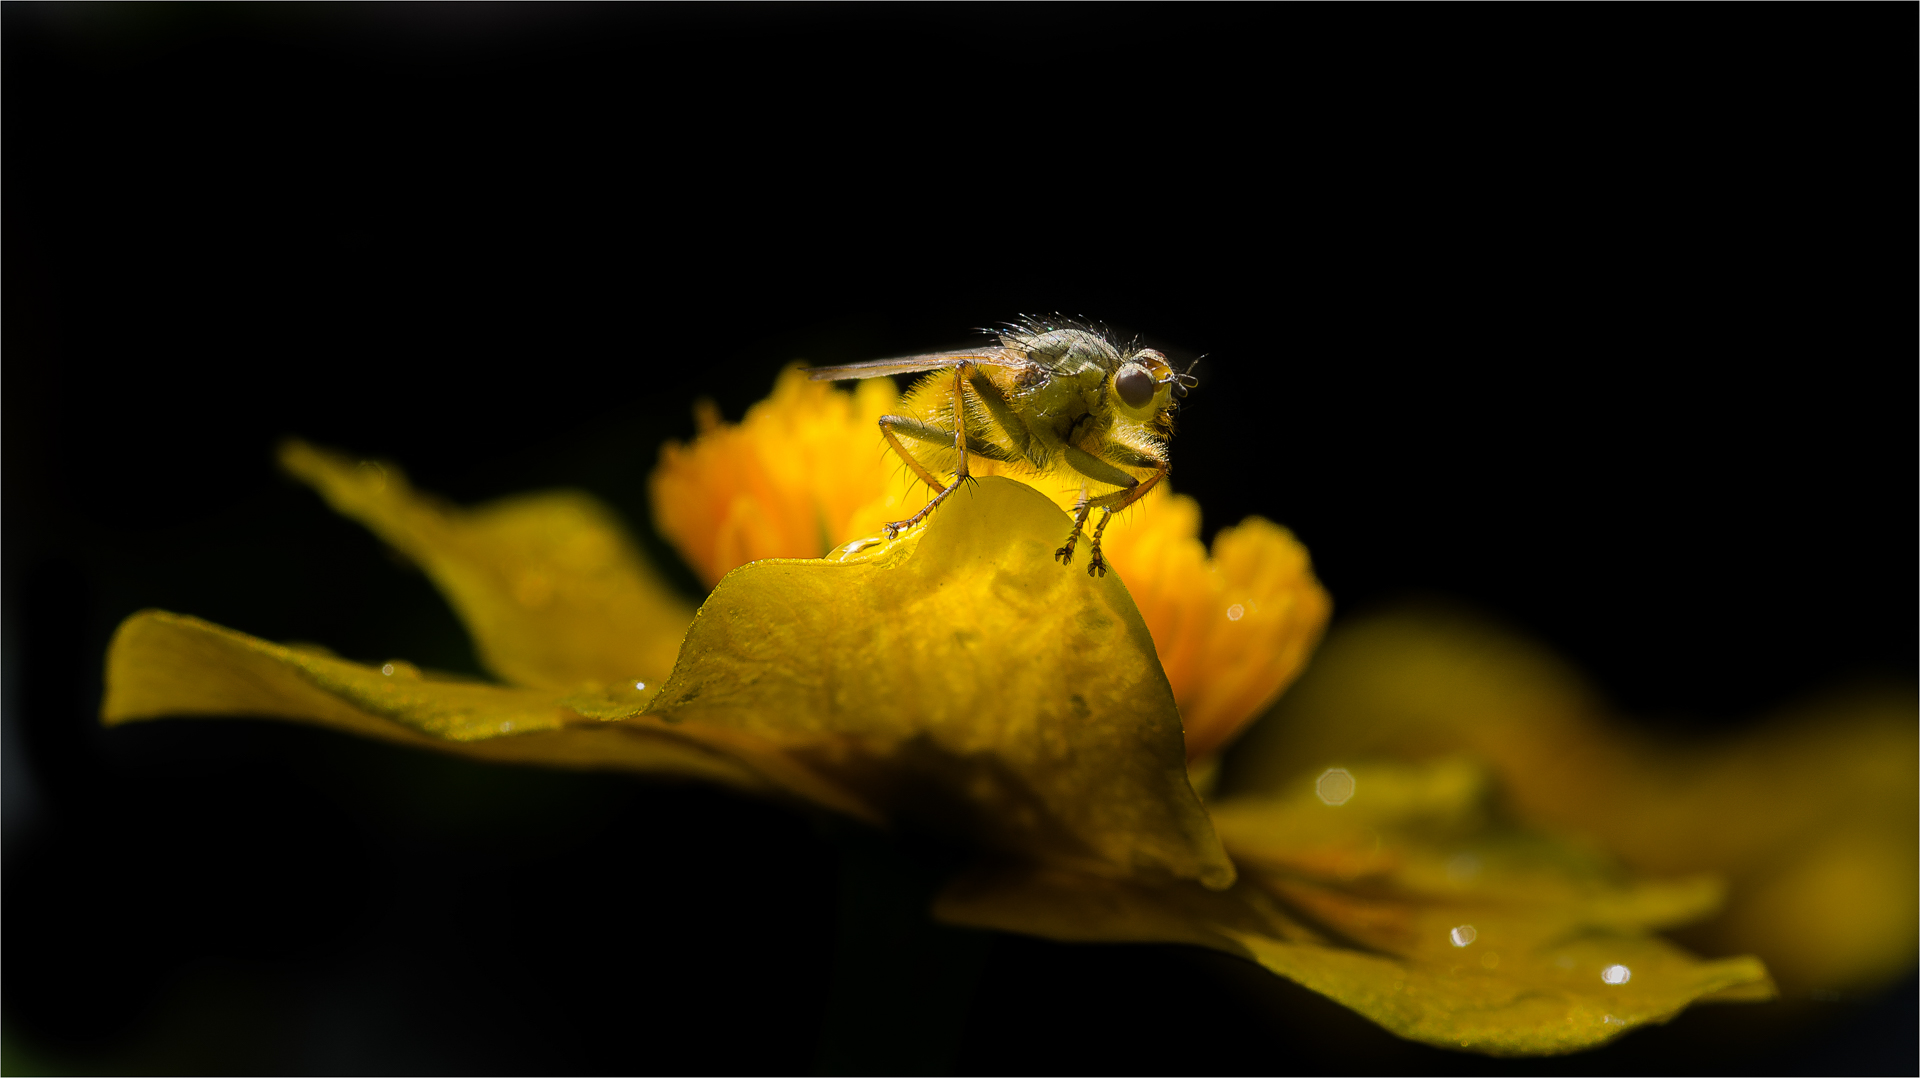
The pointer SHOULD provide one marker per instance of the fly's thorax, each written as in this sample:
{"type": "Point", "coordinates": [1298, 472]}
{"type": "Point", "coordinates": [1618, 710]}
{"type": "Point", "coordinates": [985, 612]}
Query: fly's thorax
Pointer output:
{"type": "Point", "coordinates": [1060, 401]}
{"type": "Point", "coordinates": [1066, 352]}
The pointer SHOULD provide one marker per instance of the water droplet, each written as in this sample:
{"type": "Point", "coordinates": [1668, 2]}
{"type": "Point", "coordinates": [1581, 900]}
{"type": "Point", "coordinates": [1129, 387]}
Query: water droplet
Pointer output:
{"type": "Point", "coordinates": [1335, 787]}
{"type": "Point", "coordinates": [1236, 612]}
{"type": "Point", "coordinates": [387, 669]}
{"type": "Point", "coordinates": [374, 474]}
{"type": "Point", "coordinates": [1463, 935]}
{"type": "Point", "coordinates": [852, 547]}
{"type": "Point", "coordinates": [1616, 974]}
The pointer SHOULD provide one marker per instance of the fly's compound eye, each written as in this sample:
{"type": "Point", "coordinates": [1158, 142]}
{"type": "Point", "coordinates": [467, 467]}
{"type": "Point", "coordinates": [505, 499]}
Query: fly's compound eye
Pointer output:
{"type": "Point", "coordinates": [1135, 386]}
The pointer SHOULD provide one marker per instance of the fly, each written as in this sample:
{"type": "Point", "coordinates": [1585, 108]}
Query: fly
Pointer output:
{"type": "Point", "coordinates": [1052, 398]}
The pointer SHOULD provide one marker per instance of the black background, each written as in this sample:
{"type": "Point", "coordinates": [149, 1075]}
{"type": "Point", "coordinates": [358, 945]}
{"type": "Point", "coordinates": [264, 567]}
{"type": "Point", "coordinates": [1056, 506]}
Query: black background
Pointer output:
{"type": "Point", "coordinates": [1600, 319]}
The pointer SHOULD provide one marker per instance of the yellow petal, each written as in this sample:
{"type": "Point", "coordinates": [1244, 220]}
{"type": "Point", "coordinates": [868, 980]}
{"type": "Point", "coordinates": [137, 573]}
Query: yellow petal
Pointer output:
{"type": "Point", "coordinates": [1810, 818]}
{"type": "Point", "coordinates": [1400, 853]}
{"type": "Point", "coordinates": [162, 665]}
{"type": "Point", "coordinates": [963, 678]}
{"type": "Point", "coordinates": [1575, 993]}
{"type": "Point", "coordinates": [803, 471]}
{"type": "Point", "coordinates": [1560, 999]}
{"type": "Point", "coordinates": [549, 585]}
{"type": "Point", "coordinates": [1232, 630]}
{"type": "Point", "coordinates": [1411, 903]}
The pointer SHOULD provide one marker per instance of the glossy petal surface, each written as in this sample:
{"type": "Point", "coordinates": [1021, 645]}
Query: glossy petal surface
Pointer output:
{"type": "Point", "coordinates": [1408, 902]}
{"type": "Point", "coordinates": [962, 677]}
{"type": "Point", "coordinates": [549, 585]}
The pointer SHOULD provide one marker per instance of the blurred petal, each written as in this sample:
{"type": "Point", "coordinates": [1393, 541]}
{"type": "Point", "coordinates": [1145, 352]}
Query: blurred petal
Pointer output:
{"type": "Point", "coordinates": [962, 677]}
{"type": "Point", "coordinates": [1406, 847]}
{"type": "Point", "coordinates": [1561, 999]}
{"type": "Point", "coordinates": [803, 471]}
{"type": "Point", "coordinates": [1410, 903]}
{"type": "Point", "coordinates": [549, 585]}
{"type": "Point", "coordinates": [1233, 630]}
{"type": "Point", "coordinates": [1810, 818]}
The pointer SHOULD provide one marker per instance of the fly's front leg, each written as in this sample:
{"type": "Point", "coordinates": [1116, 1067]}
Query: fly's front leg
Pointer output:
{"type": "Point", "coordinates": [1131, 489]}
{"type": "Point", "coordinates": [1065, 554]}
{"type": "Point", "coordinates": [1121, 499]}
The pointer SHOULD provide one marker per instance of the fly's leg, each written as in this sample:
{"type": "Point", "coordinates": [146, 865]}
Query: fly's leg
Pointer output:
{"type": "Point", "coordinates": [1095, 563]}
{"type": "Point", "coordinates": [914, 428]}
{"type": "Point", "coordinates": [1133, 491]}
{"type": "Point", "coordinates": [1018, 433]}
{"type": "Point", "coordinates": [891, 423]}
{"type": "Point", "coordinates": [1065, 554]}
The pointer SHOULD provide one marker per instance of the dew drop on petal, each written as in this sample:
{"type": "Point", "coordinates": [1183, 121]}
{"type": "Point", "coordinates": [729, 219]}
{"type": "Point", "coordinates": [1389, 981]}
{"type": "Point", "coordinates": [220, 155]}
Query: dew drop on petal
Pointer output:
{"type": "Point", "coordinates": [849, 549]}
{"type": "Point", "coordinates": [1463, 935]}
{"type": "Point", "coordinates": [1335, 786]}
{"type": "Point", "coordinates": [1616, 974]}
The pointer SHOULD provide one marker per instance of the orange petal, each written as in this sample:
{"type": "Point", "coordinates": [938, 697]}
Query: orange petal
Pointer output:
{"type": "Point", "coordinates": [782, 483]}
{"type": "Point", "coordinates": [1232, 630]}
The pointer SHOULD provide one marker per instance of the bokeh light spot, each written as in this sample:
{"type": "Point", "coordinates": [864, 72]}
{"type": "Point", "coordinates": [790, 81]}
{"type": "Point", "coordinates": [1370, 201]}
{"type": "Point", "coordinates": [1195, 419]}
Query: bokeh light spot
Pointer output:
{"type": "Point", "coordinates": [1335, 786]}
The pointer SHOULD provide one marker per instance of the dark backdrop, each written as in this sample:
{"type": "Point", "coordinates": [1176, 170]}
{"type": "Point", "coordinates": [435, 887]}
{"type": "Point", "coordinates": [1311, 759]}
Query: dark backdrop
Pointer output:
{"type": "Point", "coordinates": [1598, 318]}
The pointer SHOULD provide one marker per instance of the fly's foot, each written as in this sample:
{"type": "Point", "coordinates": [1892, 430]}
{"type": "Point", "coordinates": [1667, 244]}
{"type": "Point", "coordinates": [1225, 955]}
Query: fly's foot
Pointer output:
{"type": "Point", "coordinates": [894, 529]}
{"type": "Point", "coordinates": [1065, 554]}
{"type": "Point", "coordinates": [1096, 565]}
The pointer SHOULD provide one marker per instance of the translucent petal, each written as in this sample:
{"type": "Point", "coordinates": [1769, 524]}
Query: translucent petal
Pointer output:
{"type": "Point", "coordinates": [1810, 818]}
{"type": "Point", "coordinates": [1417, 908]}
{"type": "Point", "coordinates": [549, 585]}
{"type": "Point", "coordinates": [962, 677]}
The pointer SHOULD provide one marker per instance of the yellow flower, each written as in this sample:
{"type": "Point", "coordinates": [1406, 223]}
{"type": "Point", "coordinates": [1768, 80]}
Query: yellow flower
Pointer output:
{"type": "Point", "coordinates": [805, 471]}
{"type": "Point", "coordinates": [957, 680]}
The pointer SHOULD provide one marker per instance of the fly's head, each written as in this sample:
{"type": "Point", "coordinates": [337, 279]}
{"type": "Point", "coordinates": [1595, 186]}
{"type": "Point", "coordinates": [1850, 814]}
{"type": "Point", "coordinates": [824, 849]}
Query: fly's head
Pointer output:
{"type": "Point", "coordinates": [1144, 387]}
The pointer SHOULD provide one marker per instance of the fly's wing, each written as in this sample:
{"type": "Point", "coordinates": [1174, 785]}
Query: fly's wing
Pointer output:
{"type": "Point", "coordinates": [933, 361]}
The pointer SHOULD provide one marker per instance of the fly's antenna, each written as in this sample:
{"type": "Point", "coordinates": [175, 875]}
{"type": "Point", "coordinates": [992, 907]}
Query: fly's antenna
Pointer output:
{"type": "Point", "coordinates": [1185, 379]}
